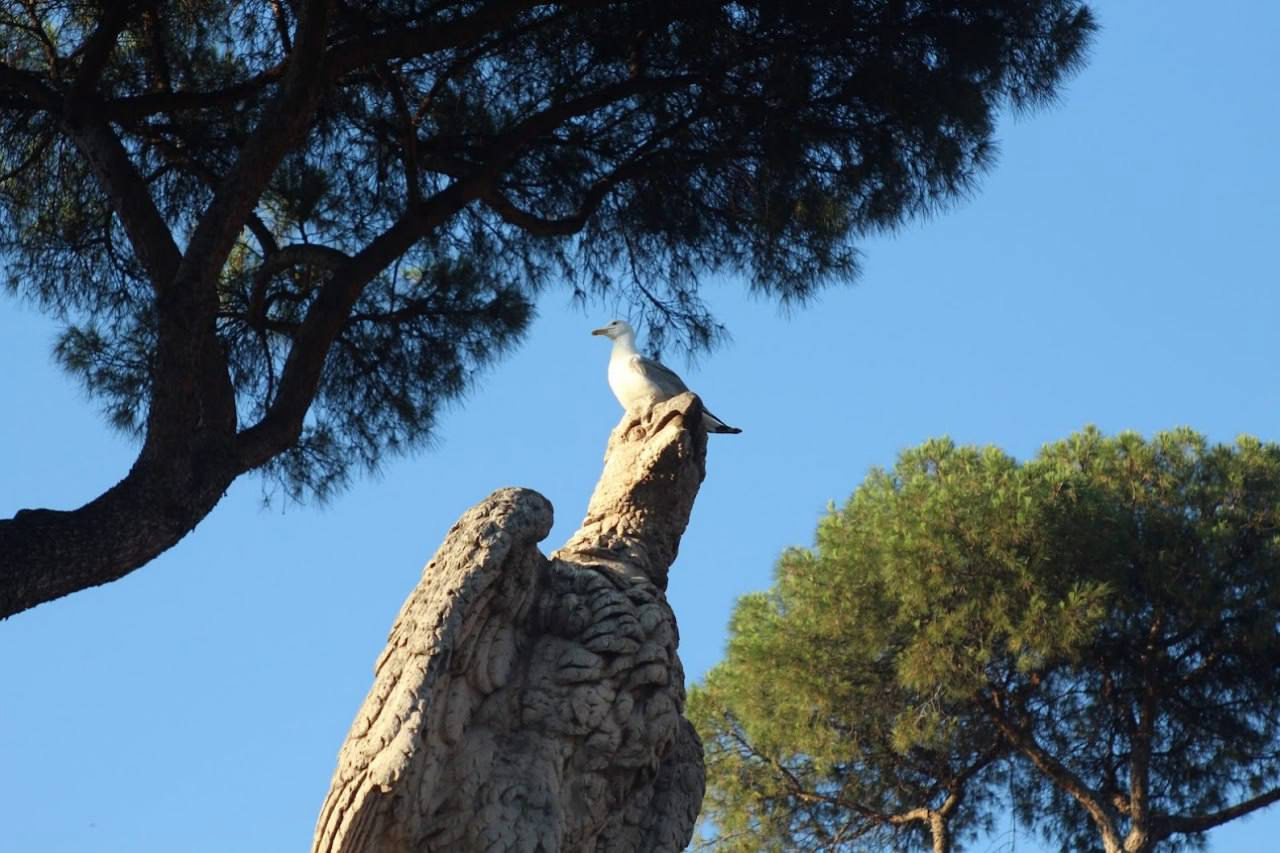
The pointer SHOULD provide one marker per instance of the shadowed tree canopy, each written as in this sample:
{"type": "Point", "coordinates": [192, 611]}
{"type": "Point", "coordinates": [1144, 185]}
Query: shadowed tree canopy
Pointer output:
{"type": "Point", "coordinates": [279, 234]}
{"type": "Point", "coordinates": [1090, 637]}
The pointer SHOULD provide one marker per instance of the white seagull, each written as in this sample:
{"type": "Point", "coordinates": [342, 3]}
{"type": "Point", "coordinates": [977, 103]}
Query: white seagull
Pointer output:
{"type": "Point", "coordinates": [637, 380]}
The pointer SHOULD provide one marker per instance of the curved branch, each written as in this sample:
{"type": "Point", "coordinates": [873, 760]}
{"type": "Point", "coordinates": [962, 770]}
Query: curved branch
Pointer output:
{"type": "Point", "coordinates": [133, 108]}
{"type": "Point", "coordinates": [30, 86]}
{"type": "Point", "coordinates": [282, 424]}
{"type": "Point", "coordinates": [286, 121]}
{"type": "Point", "coordinates": [1090, 800]}
{"type": "Point", "coordinates": [46, 554]}
{"type": "Point", "coordinates": [561, 227]}
{"type": "Point", "coordinates": [101, 147]}
{"type": "Point", "coordinates": [1168, 825]}
{"type": "Point", "coordinates": [405, 42]}
{"type": "Point", "coordinates": [98, 46]}
{"type": "Point", "coordinates": [125, 188]}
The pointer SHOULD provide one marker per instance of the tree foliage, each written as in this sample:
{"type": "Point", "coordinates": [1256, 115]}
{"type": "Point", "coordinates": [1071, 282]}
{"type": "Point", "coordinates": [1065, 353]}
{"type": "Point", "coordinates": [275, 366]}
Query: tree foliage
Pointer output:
{"type": "Point", "coordinates": [281, 233]}
{"type": "Point", "coordinates": [1090, 637]}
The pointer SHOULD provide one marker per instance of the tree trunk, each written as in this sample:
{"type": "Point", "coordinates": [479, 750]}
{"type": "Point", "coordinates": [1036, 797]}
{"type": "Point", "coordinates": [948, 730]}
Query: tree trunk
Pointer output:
{"type": "Point", "coordinates": [532, 704]}
{"type": "Point", "coordinates": [941, 833]}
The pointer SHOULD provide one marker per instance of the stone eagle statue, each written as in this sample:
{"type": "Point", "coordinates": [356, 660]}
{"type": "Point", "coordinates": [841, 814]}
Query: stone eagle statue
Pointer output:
{"type": "Point", "coordinates": [526, 703]}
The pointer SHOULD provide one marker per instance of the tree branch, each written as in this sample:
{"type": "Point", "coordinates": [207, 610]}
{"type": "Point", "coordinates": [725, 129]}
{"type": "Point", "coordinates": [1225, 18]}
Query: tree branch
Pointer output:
{"type": "Point", "coordinates": [134, 108]}
{"type": "Point", "coordinates": [561, 227]}
{"type": "Point", "coordinates": [1058, 773]}
{"type": "Point", "coordinates": [30, 86]}
{"type": "Point", "coordinates": [97, 49]}
{"type": "Point", "coordinates": [1166, 825]}
{"type": "Point", "coordinates": [284, 123]}
{"type": "Point", "coordinates": [282, 26]}
{"type": "Point", "coordinates": [296, 254]}
{"type": "Point", "coordinates": [639, 163]}
{"type": "Point", "coordinates": [282, 424]}
{"type": "Point", "coordinates": [1143, 735]}
{"type": "Point", "coordinates": [180, 157]}
{"type": "Point", "coordinates": [408, 133]}
{"type": "Point", "coordinates": [506, 145]}
{"type": "Point", "coordinates": [405, 42]}
{"type": "Point", "coordinates": [177, 480]}
{"type": "Point", "coordinates": [37, 29]}
{"type": "Point", "coordinates": [130, 198]}
{"type": "Point", "coordinates": [124, 187]}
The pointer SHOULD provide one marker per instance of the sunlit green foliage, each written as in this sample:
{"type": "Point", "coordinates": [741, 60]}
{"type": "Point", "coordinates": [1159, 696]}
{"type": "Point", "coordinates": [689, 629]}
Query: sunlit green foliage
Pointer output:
{"type": "Point", "coordinates": [962, 601]}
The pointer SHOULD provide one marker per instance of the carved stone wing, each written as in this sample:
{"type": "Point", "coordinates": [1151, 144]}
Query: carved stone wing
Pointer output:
{"type": "Point", "coordinates": [452, 644]}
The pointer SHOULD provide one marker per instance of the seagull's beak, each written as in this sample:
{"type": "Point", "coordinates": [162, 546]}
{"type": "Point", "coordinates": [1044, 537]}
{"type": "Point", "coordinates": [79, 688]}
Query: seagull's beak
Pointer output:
{"type": "Point", "coordinates": [600, 331]}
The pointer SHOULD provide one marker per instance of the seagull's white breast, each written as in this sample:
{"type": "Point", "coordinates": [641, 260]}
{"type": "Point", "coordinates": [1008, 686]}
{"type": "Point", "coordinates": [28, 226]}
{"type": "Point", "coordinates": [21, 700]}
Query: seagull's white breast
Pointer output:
{"type": "Point", "coordinates": [628, 384]}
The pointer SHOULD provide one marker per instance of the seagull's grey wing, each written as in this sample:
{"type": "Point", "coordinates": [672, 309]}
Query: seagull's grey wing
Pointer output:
{"type": "Point", "coordinates": [664, 379]}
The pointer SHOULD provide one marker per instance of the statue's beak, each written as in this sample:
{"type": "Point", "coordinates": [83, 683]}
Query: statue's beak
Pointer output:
{"type": "Point", "coordinates": [599, 331]}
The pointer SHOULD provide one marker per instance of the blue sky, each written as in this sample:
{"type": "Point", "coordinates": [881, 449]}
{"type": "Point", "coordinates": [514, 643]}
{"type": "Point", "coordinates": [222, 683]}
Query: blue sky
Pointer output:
{"type": "Point", "coordinates": [1117, 267]}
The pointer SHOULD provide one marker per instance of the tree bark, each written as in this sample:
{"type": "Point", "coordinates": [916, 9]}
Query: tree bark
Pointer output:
{"type": "Point", "coordinates": [532, 704]}
{"type": "Point", "coordinates": [940, 832]}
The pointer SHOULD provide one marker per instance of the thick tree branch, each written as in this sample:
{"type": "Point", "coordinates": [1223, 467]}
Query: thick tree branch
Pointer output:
{"type": "Point", "coordinates": [46, 554]}
{"type": "Point", "coordinates": [1090, 800]}
{"type": "Point", "coordinates": [282, 126]}
{"type": "Point", "coordinates": [97, 49]}
{"type": "Point", "coordinates": [281, 20]}
{"type": "Point", "coordinates": [1143, 735]}
{"type": "Point", "coordinates": [1168, 825]}
{"type": "Point", "coordinates": [159, 71]}
{"type": "Point", "coordinates": [300, 377]}
{"type": "Point", "coordinates": [178, 156]}
{"type": "Point", "coordinates": [408, 133]}
{"type": "Point", "coordinates": [29, 86]}
{"type": "Point", "coordinates": [404, 42]}
{"type": "Point", "coordinates": [131, 109]}
{"type": "Point", "coordinates": [125, 189]}
{"type": "Point", "coordinates": [149, 234]}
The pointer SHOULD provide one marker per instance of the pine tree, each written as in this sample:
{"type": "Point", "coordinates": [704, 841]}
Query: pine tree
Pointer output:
{"type": "Point", "coordinates": [1090, 637]}
{"type": "Point", "coordinates": [280, 235]}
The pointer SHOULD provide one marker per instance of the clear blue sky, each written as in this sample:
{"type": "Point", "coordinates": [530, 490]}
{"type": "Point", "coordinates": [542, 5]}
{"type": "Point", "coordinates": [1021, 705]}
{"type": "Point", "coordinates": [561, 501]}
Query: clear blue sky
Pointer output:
{"type": "Point", "coordinates": [1118, 267]}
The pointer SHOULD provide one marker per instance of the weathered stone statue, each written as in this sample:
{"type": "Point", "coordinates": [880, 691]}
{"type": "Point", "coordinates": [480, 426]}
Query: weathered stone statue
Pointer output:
{"type": "Point", "coordinates": [532, 704]}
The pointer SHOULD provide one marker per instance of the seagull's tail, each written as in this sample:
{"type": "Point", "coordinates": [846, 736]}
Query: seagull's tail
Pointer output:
{"type": "Point", "coordinates": [713, 424]}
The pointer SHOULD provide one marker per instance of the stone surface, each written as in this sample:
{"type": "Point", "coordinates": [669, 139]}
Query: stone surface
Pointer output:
{"type": "Point", "coordinates": [526, 703]}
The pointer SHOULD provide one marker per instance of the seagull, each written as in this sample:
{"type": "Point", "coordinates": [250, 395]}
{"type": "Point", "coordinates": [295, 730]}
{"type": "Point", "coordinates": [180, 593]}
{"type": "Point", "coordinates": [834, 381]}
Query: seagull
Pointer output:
{"type": "Point", "coordinates": [635, 379]}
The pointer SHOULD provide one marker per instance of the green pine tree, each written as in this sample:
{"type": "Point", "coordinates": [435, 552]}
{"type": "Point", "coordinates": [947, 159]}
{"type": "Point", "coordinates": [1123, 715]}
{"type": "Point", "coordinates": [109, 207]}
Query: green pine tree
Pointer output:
{"type": "Point", "coordinates": [1090, 638]}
